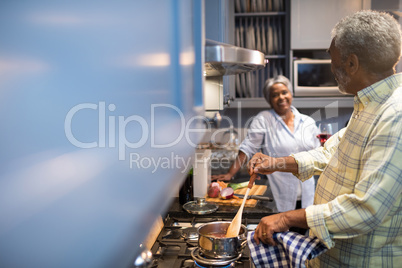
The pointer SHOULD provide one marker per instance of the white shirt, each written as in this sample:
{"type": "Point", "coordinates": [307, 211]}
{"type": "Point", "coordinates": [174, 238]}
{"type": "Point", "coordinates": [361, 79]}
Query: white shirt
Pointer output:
{"type": "Point", "coordinates": [269, 134]}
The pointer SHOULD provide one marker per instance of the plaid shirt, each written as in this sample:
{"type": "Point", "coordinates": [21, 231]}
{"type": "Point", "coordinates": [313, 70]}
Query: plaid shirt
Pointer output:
{"type": "Point", "coordinates": [358, 204]}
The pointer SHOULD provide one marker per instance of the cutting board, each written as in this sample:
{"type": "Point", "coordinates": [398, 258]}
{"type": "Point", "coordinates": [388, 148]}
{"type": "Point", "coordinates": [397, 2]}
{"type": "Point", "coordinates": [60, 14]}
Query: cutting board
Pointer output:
{"type": "Point", "coordinates": [256, 190]}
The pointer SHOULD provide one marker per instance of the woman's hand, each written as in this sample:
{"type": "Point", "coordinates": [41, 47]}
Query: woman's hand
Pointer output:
{"type": "Point", "coordinates": [222, 177]}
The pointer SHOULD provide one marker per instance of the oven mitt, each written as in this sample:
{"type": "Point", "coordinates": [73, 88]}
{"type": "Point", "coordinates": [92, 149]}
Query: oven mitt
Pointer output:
{"type": "Point", "coordinates": [292, 250]}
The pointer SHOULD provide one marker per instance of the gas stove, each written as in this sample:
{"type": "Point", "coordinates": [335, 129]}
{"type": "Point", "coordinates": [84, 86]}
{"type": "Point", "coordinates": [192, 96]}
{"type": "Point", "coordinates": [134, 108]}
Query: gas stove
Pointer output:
{"type": "Point", "coordinates": [177, 244]}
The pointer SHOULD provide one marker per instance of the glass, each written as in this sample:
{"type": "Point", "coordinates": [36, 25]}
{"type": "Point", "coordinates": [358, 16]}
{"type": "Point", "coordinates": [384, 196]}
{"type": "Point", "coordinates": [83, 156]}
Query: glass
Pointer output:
{"type": "Point", "coordinates": [325, 132]}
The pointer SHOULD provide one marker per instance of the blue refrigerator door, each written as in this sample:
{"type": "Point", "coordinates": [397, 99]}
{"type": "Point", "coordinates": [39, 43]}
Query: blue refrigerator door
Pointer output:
{"type": "Point", "coordinates": [97, 102]}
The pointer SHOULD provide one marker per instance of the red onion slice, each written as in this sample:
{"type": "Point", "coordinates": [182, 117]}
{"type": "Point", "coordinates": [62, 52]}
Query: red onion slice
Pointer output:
{"type": "Point", "coordinates": [227, 193]}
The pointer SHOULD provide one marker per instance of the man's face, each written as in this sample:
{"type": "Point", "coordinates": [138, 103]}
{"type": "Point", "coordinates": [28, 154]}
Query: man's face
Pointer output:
{"type": "Point", "coordinates": [338, 69]}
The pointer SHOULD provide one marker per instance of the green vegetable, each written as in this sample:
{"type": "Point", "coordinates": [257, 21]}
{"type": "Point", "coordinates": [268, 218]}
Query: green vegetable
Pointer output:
{"type": "Point", "coordinates": [240, 185]}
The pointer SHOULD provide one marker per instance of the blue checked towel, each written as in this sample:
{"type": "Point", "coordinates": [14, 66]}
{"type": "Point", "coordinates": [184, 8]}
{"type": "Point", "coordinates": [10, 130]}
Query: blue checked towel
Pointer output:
{"type": "Point", "coordinates": [292, 250]}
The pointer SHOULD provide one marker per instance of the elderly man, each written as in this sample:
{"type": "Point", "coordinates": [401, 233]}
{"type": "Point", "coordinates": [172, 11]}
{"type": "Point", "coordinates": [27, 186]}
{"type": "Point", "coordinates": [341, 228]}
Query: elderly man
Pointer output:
{"type": "Point", "coordinates": [357, 211]}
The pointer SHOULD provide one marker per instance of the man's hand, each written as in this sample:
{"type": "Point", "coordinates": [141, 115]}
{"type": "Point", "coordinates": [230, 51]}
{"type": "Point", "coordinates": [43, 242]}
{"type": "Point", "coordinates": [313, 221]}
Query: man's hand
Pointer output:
{"type": "Point", "coordinates": [262, 164]}
{"type": "Point", "coordinates": [280, 222]}
{"type": "Point", "coordinates": [268, 226]}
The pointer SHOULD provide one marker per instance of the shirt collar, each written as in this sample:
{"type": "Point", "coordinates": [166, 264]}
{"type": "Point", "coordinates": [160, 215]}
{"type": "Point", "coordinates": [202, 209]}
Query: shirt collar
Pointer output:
{"type": "Point", "coordinates": [295, 112]}
{"type": "Point", "coordinates": [379, 91]}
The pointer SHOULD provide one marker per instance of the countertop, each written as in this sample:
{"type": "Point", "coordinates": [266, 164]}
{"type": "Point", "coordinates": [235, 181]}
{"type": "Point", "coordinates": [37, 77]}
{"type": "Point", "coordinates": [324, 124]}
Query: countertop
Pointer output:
{"type": "Point", "coordinates": [259, 211]}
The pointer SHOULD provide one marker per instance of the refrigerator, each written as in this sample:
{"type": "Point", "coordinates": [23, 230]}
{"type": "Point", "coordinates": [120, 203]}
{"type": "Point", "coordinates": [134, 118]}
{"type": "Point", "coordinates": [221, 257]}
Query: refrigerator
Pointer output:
{"type": "Point", "coordinates": [100, 103]}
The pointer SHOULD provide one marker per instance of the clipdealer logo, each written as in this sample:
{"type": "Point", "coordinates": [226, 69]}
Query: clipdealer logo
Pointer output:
{"type": "Point", "coordinates": [111, 137]}
{"type": "Point", "coordinates": [112, 131]}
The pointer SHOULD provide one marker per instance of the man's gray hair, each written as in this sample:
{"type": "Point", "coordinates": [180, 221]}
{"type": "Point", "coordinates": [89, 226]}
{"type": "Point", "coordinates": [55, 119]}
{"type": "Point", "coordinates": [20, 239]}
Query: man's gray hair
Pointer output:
{"type": "Point", "coordinates": [272, 81]}
{"type": "Point", "coordinates": [374, 37]}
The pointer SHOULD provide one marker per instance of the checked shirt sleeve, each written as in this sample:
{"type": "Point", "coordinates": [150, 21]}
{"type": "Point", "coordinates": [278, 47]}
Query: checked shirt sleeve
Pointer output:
{"type": "Point", "coordinates": [314, 161]}
{"type": "Point", "coordinates": [376, 193]}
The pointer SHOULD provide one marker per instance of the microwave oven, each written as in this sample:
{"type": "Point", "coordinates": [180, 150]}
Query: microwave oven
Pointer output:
{"type": "Point", "coordinates": [314, 78]}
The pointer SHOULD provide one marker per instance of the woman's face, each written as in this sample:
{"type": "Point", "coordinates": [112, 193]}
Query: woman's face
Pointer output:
{"type": "Point", "coordinates": [280, 98]}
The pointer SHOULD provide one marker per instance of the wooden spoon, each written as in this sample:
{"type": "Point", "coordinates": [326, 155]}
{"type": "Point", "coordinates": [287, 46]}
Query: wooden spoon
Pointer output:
{"type": "Point", "coordinates": [234, 227]}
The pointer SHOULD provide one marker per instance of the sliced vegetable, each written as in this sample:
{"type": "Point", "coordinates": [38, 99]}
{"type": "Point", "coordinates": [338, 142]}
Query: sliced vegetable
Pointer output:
{"type": "Point", "coordinates": [240, 185]}
{"type": "Point", "coordinates": [227, 193]}
{"type": "Point", "coordinates": [222, 184]}
{"type": "Point", "coordinates": [215, 184]}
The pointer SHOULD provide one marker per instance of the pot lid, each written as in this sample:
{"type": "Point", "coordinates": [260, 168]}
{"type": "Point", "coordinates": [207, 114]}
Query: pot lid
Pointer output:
{"type": "Point", "coordinates": [200, 207]}
{"type": "Point", "coordinates": [224, 59]}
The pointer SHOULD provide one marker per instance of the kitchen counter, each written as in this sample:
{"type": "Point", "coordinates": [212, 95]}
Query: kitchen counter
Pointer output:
{"type": "Point", "coordinates": [260, 210]}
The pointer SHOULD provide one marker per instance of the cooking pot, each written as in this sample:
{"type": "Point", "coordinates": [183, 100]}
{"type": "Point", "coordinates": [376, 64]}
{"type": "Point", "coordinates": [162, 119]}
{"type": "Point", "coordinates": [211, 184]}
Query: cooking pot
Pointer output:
{"type": "Point", "coordinates": [213, 243]}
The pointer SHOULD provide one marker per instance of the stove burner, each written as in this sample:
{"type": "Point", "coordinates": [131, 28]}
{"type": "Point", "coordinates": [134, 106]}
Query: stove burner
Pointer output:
{"type": "Point", "coordinates": [203, 261]}
{"type": "Point", "coordinates": [172, 234]}
{"type": "Point", "coordinates": [190, 233]}
{"type": "Point", "coordinates": [175, 243]}
{"type": "Point", "coordinates": [188, 263]}
{"type": "Point", "coordinates": [227, 266]}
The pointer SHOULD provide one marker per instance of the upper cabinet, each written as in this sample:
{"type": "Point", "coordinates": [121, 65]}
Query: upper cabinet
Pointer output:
{"type": "Point", "coordinates": [218, 20]}
{"type": "Point", "coordinates": [219, 24]}
{"type": "Point", "coordinates": [281, 29]}
{"type": "Point", "coordinates": [313, 20]}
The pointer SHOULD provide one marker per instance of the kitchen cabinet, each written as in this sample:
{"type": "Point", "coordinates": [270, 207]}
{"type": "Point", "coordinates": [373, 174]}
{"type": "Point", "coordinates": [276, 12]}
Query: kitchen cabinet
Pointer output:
{"type": "Point", "coordinates": [275, 20]}
{"type": "Point", "coordinates": [266, 26]}
{"type": "Point", "coordinates": [391, 6]}
{"type": "Point", "coordinates": [218, 19]}
{"type": "Point", "coordinates": [313, 20]}
{"type": "Point", "coordinates": [263, 26]}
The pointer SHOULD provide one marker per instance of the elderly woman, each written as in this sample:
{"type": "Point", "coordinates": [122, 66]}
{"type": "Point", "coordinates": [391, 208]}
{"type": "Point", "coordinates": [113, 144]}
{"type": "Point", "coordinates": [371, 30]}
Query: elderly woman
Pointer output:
{"type": "Point", "coordinates": [276, 132]}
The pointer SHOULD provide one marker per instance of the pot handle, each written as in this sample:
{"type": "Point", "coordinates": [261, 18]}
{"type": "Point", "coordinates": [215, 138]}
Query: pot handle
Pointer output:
{"type": "Point", "coordinates": [243, 244]}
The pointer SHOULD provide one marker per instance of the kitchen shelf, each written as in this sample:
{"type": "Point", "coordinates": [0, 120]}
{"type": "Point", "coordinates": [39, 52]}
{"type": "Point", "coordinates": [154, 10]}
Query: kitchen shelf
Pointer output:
{"type": "Point", "coordinates": [298, 102]}
{"type": "Point", "coordinates": [260, 14]}
{"type": "Point", "coordinates": [267, 30]}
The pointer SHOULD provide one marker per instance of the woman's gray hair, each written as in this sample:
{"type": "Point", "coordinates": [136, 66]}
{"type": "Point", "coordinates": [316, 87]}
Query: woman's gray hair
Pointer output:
{"type": "Point", "coordinates": [272, 81]}
{"type": "Point", "coordinates": [374, 37]}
